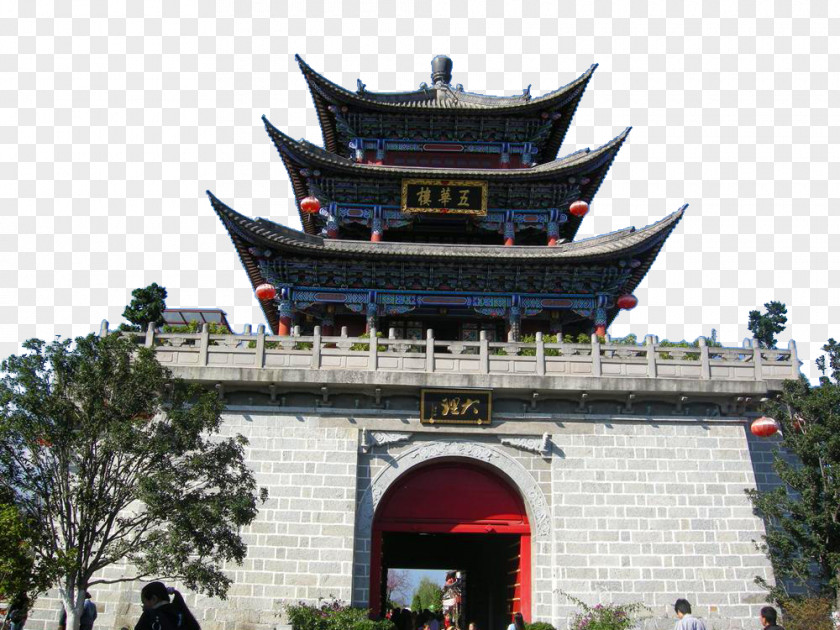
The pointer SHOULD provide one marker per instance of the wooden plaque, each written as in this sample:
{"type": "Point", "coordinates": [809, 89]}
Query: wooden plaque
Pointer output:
{"type": "Point", "coordinates": [444, 196]}
{"type": "Point", "coordinates": [456, 406]}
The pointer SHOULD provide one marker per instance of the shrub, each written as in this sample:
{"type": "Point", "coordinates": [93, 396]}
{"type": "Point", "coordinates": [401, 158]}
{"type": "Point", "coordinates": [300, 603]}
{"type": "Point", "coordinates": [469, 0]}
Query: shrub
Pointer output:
{"type": "Point", "coordinates": [539, 625]}
{"type": "Point", "coordinates": [332, 615]}
{"type": "Point", "coordinates": [609, 617]}
{"type": "Point", "coordinates": [194, 327]}
{"type": "Point", "coordinates": [549, 352]}
{"type": "Point", "coordinates": [811, 613]}
{"type": "Point", "coordinates": [366, 346]}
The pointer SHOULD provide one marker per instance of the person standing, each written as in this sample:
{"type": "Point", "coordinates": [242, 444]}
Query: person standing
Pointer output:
{"type": "Point", "coordinates": [685, 620]}
{"type": "Point", "coordinates": [768, 617]}
{"type": "Point", "coordinates": [88, 614]}
{"type": "Point", "coordinates": [158, 612]}
{"type": "Point", "coordinates": [18, 612]}
{"type": "Point", "coordinates": [86, 620]}
{"type": "Point", "coordinates": [518, 622]}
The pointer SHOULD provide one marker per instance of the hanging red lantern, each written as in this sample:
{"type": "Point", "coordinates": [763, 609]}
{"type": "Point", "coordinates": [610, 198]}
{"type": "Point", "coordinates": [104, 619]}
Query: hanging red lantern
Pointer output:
{"type": "Point", "coordinates": [265, 292]}
{"type": "Point", "coordinates": [764, 427]}
{"type": "Point", "coordinates": [579, 208]}
{"type": "Point", "coordinates": [626, 302]}
{"type": "Point", "coordinates": [310, 205]}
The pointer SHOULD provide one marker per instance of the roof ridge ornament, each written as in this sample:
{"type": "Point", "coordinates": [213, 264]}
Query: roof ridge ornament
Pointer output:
{"type": "Point", "coordinates": [441, 70]}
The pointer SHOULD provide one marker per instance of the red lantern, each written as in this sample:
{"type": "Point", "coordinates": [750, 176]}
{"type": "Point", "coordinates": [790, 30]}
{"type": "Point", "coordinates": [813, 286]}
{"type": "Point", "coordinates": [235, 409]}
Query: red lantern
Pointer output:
{"type": "Point", "coordinates": [579, 208]}
{"type": "Point", "coordinates": [764, 427]}
{"type": "Point", "coordinates": [310, 205]}
{"type": "Point", "coordinates": [626, 302]}
{"type": "Point", "coordinates": [265, 292]}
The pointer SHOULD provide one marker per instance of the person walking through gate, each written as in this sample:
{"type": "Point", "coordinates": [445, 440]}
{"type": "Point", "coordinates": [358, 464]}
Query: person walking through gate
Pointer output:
{"type": "Point", "coordinates": [685, 620]}
{"type": "Point", "coordinates": [767, 616]}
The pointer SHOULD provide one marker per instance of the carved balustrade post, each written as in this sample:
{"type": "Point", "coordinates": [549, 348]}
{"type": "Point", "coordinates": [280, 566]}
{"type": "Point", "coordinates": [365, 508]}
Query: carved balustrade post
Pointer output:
{"type": "Point", "coordinates": [373, 349]}
{"type": "Point", "coordinates": [430, 350]}
{"type": "Point", "coordinates": [316, 348]}
{"type": "Point", "coordinates": [650, 345]}
{"type": "Point", "coordinates": [540, 354]}
{"type": "Point", "coordinates": [705, 365]}
{"type": "Point", "coordinates": [259, 355]}
{"type": "Point", "coordinates": [204, 344]}
{"type": "Point", "coordinates": [484, 352]}
{"type": "Point", "coordinates": [758, 363]}
{"type": "Point", "coordinates": [794, 359]}
{"type": "Point", "coordinates": [596, 355]}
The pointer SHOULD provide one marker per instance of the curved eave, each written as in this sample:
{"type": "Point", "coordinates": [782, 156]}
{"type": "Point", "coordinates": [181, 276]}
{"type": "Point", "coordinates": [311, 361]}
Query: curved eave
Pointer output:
{"type": "Point", "coordinates": [629, 241]}
{"type": "Point", "coordinates": [298, 154]}
{"type": "Point", "coordinates": [428, 99]}
{"type": "Point", "coordinates": [566, 99]}
{"type": "Point", "coordinates": [650, 256]}
{"type": "Point", "coordinates": [241, 244]}
{"type": "Point", "coordinates": [306, 154]}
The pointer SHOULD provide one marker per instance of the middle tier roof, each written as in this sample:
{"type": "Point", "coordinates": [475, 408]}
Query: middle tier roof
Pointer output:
{"type": "Point", "coordinates": [552, 186]}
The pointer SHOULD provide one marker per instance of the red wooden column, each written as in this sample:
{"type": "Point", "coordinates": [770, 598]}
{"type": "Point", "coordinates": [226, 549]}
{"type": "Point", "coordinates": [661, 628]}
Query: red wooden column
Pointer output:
{"type": "Point", "coordinates": [525, 576]}
{"type": "Point", "coordinates": [284, 310]}
{"type": "Point", "coordinates": [377, 225]}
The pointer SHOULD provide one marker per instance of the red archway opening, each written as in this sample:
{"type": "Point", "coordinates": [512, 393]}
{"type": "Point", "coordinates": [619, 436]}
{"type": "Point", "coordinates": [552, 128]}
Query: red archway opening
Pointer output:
{"type": "Point", "coordinates": [457, 515]}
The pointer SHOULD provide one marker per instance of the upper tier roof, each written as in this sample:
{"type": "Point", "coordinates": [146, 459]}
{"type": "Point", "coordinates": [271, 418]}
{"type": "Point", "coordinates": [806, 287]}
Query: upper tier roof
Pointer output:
{"type": "Point", "coordinates": [591, 165]}
{"type": "Point", "coordinates": [442, 97]}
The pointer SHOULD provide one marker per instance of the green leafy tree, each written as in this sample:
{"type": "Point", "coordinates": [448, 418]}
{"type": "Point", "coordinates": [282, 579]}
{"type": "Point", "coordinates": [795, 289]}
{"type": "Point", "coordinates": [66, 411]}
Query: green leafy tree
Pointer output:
{"type": "Point", "coordinates": [802, 514]}
{"type": "Point", "coordinates": [765, 326]}
{"type": "Point", "coordinates": [110, 459]}
{"type": "Point", "coordinates": [427, 595]}
{"type": "Point", "coordinates": [146, 307]}
{"type": "Point", "coordinates": [20, 574]}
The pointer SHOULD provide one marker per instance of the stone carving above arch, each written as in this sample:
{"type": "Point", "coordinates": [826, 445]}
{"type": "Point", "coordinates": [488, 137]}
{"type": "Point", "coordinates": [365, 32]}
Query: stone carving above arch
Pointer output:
{"type": "Point", "coordinates": [534, 499]}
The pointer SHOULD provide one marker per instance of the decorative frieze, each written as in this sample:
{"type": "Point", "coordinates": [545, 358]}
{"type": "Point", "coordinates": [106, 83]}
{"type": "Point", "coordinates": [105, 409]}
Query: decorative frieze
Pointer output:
{"type": "Point", "coordinates": [540, 446]}
{"type": "Point", "coordinates": [371, 439]}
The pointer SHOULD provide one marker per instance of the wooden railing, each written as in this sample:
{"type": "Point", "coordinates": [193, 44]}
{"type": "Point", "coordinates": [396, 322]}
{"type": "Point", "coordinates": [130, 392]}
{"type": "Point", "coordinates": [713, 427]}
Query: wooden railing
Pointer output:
{"type": "Point", "coordinates": [431, 355]}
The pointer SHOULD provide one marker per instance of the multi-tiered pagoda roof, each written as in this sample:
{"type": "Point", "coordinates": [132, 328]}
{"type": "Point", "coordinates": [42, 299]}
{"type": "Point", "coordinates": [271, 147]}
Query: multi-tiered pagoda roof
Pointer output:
{"type": "Point", "coordinates": [439, 208]}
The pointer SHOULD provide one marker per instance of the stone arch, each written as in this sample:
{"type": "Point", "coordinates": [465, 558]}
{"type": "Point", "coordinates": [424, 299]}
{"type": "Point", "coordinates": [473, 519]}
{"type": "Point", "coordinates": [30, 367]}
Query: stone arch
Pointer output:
{"type": "Point", "coordinates": [535, 502]}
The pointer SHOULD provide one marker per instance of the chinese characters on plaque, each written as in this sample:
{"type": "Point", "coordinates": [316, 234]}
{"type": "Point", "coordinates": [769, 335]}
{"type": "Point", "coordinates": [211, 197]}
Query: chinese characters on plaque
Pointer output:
{"type": "Point", "coordinates": [444, 196]}
{"type": "Point", "coordinates": [455, 406]}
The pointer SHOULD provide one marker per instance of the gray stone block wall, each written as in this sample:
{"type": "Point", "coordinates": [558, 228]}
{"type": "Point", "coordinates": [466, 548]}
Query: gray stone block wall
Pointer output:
{"type": "Point", "coordinates": [300, 547]}
{"type": "Point", "coordinates": [626, 511]}
{"type": "Point", "coordinates": [646, 512]}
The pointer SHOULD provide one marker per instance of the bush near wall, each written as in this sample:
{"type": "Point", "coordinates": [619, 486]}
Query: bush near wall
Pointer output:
{"type": "Point", "coordinates": [332, 615]}
{"type": "Point", "coordinates": [539, 625]}
{"type": "Point", "coordinates": [812, 613]}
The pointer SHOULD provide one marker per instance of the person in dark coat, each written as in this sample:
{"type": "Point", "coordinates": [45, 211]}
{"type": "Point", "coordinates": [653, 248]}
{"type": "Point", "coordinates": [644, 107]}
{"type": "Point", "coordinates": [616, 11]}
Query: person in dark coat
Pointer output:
{"type": "Point", "coordinates": [158, 611]}
{"type": "Point", "coordinates": [768, 618]}
{"type": "Point", "coordinates": [89, 615]}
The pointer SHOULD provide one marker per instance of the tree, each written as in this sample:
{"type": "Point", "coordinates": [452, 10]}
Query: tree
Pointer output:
{"type": "Point", "coordinates": [111, 460]}
{"type": "Point", "coordinates": [20, 575]}
{"type": "Point", "coordinates": [765, 326]}
{"type": "Point", "coordinates": [427, 595]}
{"type": "Point", "coordinates": [397, 586]}
{"type": "Point", "coordinates": [802, 514]}
{"type": "Point", "coordinates": [146, 308]}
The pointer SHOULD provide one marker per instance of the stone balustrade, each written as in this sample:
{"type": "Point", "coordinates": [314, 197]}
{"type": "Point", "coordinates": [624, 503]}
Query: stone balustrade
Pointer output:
{"type": "Point", "coordinates": [483, 357]}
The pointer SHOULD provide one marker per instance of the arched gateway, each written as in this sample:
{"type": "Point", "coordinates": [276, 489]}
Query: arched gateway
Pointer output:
{"type": "Point", "coordinates": [444, 506]}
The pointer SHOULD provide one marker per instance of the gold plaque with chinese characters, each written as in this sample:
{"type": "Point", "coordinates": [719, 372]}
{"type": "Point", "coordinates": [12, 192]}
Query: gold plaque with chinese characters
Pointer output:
{"type": "Point", "coordinates": [456, 406]}
{"type": "Point", "coordinates": [444, 196]}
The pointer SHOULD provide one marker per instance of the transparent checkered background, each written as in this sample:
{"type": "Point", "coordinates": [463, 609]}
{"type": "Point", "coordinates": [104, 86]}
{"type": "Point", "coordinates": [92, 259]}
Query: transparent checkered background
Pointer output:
{"type": "Point", "coordinates": [114, 120]}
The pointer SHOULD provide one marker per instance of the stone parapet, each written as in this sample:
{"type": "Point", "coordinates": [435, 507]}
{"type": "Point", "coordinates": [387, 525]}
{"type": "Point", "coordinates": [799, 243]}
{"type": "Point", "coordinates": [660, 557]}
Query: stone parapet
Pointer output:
{"type": "Point", "coordinates": [596, 366]}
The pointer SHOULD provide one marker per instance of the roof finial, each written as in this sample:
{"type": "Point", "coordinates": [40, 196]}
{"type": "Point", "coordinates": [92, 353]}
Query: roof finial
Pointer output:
{"type": "Point", "coordinates": [441, 70]}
